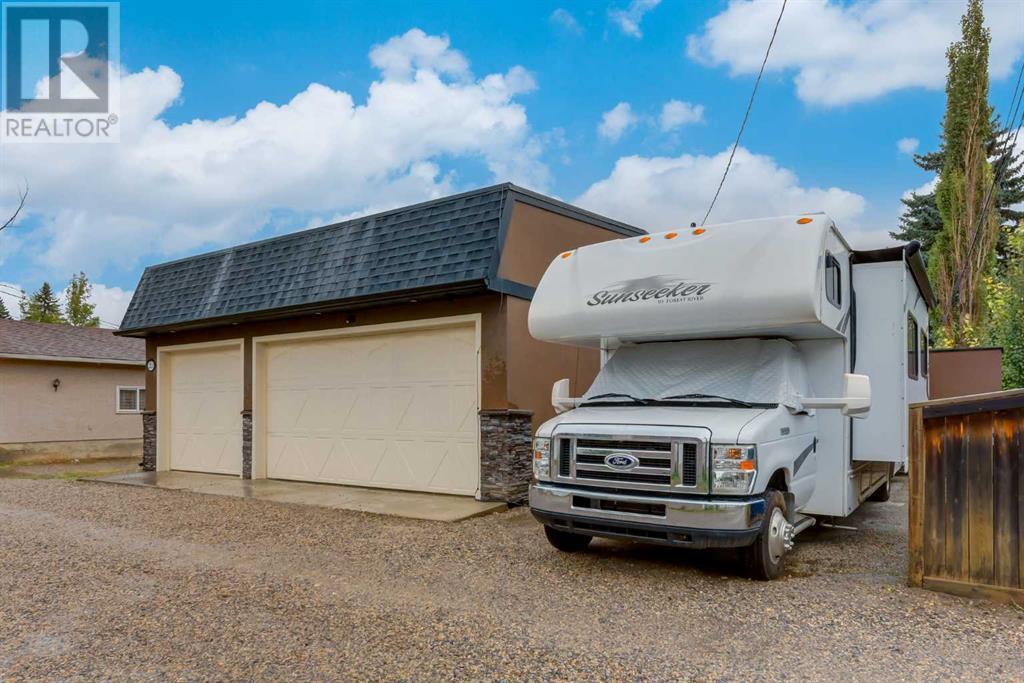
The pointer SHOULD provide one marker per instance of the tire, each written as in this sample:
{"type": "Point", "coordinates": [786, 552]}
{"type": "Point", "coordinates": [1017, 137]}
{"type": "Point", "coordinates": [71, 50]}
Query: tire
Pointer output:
{"type": "Point", "coordinates": [881, 494]}
{"type": "Point", "coordinates": [766, 557]}
{"type": "Point", "coordinates": [565, 541]}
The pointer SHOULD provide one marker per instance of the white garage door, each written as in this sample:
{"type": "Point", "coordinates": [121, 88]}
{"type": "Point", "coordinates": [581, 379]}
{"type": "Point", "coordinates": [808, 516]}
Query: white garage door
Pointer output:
{"type": "Point", "coordinates": [396, 410]}
{"type": "Point", "coordinates": [206, 405]}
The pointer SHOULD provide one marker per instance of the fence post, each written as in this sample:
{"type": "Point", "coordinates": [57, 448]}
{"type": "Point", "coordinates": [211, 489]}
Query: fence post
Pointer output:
{"type": "Point", "coordinates": [915, 533]}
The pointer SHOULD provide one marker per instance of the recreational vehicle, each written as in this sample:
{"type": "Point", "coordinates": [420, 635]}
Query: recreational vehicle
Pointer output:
{"type": "Point", "coordinates": [755, 375]}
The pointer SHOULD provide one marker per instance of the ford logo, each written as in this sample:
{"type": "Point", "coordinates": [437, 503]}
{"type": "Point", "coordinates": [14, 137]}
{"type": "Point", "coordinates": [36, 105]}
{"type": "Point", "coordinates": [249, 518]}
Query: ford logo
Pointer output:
{"type": "Point", "coordinates": [621, 461]}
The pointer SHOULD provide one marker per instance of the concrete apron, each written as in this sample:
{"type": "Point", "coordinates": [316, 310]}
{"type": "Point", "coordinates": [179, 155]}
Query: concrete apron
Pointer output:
{"type": "Point", "coordinates": [414, 505]}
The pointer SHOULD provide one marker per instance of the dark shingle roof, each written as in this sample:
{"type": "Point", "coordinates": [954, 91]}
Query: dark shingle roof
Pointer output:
{"type": "Point", "coordinates": [442, 243]}
{"type": "Point", "coordinates": [22, 338]}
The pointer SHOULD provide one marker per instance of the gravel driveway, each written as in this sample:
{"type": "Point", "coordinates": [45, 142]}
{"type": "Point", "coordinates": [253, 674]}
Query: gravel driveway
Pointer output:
{"type": "Point", "coordinates": [115, 583]}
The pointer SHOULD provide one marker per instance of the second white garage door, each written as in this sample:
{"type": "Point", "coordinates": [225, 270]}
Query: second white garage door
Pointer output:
{"type": "Point", "coordinates": [394, 410]}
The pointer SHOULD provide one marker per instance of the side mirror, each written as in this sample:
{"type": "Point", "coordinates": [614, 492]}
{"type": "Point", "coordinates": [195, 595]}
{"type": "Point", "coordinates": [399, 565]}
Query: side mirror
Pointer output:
{"type": "Point", "coordinates": [857, 393]}
{"type": "Point", "coordinates": [560, 399]}
{"type": "Point", "coordinates": [856, 400]}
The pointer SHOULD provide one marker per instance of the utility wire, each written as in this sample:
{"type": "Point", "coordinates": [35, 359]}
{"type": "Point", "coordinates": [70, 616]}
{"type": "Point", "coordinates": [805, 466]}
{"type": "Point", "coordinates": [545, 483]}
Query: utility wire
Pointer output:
{"type": "Point", "coordinates": [1015, 107]}
{"type": "Point", "coordinates": [14, 292]}
{"type": "Point", "coordinates": [746, 116]}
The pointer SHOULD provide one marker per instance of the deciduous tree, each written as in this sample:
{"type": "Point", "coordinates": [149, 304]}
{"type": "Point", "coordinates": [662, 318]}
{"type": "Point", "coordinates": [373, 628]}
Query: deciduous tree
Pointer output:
{"type": "Point", "coordinates": [78, 310]}
{"type": "Point", "coordinates": [963, 252]}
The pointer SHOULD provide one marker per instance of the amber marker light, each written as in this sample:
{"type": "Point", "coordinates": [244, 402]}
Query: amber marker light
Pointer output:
{"type": "Point", "coordinates": [747, 465]}
{"type": "Point", "coordinates": [803, 221]}
{"type": "Point", "coordinates": [567, 254]}
{"type": "Point", "coordinates": [645, 239]}
{"type": "Point", "coordinates": [699, 231]}
{"type": "Point", "coordinates": [671, 235]}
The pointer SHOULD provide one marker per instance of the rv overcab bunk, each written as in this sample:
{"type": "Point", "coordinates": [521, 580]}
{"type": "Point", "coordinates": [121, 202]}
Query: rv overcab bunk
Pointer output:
{"type": "Point", "coordinates": [754, 375]}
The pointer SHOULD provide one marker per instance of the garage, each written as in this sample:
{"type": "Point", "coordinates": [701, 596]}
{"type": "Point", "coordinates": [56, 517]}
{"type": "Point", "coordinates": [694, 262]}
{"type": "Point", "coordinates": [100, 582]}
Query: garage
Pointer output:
{"type": "Point", "coordinates": [391, 408]}
{"type": "Point", "coordinates": [203, 391]}
{"type": "Point", "coordinates": [389, 351]}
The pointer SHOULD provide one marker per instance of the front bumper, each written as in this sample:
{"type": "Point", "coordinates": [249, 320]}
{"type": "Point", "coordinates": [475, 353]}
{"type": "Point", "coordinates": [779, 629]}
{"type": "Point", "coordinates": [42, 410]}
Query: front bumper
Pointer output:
{"type": "Point", "coordinates": [687, 521]}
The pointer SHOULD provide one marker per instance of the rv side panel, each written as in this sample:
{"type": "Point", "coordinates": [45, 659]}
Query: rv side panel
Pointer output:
{"type": "Point", "coordinates": [881, 330]}
{"type": "Point", "coordinates": [826, 362]}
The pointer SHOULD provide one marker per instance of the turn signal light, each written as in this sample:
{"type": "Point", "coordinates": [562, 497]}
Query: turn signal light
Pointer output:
{"type": "Point", "coordinates": [699, 231]}
{"type": "Point", "coordinates": [671, 235]}
{"type": "Point", "coordinates": [747, 465]}
{"type": "Point", "coordinates": [567, 254]}
{"type": "Point", "coordinates": [645, 239]}
{"type": "Point", "coordinates": [804, 221]}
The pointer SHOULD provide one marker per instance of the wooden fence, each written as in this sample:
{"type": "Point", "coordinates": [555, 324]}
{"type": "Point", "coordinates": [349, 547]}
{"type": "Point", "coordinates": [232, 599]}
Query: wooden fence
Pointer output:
{"type": "Point", "coordinates": [967, 496]}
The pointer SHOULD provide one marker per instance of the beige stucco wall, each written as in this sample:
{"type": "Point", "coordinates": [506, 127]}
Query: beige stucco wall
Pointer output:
{"type": "Point", "coordinates": [83, 408]}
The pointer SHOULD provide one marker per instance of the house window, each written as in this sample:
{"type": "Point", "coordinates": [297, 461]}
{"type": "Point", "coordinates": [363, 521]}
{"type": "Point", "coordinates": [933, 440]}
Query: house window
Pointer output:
{"type": "Point", "coordinates": [911, 347]}
{"type": "Point", "coordinates": [833, 281]}
{"type": "Point", "coordinates": [131, 399]}
{"type": "Point", "coordinates": [924, 353]}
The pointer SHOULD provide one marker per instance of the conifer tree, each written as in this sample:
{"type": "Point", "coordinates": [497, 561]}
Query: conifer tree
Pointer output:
{"type": "Point", "coordinates": [42, 307]}
{"type": "Point", "coordinates": [921, 220]}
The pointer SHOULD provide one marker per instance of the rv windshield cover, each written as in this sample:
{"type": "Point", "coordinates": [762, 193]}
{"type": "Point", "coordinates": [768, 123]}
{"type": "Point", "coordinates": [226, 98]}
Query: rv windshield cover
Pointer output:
{"type": "Point", "coordinates": [750, 370]}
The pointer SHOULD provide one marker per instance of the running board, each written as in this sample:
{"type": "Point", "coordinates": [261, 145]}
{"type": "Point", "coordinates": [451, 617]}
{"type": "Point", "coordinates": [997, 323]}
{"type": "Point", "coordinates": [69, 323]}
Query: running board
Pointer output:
{"type": "Point", "coordinates": [803, 523]}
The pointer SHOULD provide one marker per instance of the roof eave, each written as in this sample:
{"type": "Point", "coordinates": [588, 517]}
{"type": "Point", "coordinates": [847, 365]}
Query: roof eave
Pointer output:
{"type": "Point", "coordinates": [387, 299]}
{"type": "Point", "coordinates": [72, 359]}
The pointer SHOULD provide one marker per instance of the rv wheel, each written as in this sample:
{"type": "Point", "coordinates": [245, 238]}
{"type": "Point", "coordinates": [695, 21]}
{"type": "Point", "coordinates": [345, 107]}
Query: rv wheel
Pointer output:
{"type": "Point", "coordinates": [767, 555]}
{"type": "Point", "coordinates": [566, 542]}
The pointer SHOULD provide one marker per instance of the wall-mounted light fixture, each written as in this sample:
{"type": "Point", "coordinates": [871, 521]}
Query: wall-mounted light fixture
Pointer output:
{"type": "Point", "coordinates": [56, 384]}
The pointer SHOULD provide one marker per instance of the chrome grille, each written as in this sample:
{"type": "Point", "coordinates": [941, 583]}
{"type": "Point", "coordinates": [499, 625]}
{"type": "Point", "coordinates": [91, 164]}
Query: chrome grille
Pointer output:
{"type": "Point", "coordinates": [663, 479]}
{"type": "Point", "coordinates": [662, 464]}
{"type": "Point", "coordinates": [625, 445]}
{"type": "Point", "coordinates": [564, 457]}
{"type": "Point", "coordinates": [688, 464]}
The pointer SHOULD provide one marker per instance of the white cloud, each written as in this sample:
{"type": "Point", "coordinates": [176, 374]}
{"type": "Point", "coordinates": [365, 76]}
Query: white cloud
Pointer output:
{"type": "Point", "coordinates": [9, 293]}
{"type": "Point", "coordinates": [927, 188]}
{"type": "Point", "coordinates": [870, 239]}
{"type": "Point", "coordinates": [111, 303]}
{"type": "Point", "coordinates": [168, 190]}
{"type": "Point", "coordinates": [908, 145]}
{"type": "Point", "coordinates": [402, 56]}
{"type": "Point", "coordinates": [617, 121]}
{"type": "Point", "coordinates": [628, 20]}
{"type": "Point", "coordinates": [657, 193]}
{"type": "Point", "coordinates": [856, 51]}
{"type": "Point", "coordinates": [566, 20]}
{"type": "Point", "coordinates": [675, 113]}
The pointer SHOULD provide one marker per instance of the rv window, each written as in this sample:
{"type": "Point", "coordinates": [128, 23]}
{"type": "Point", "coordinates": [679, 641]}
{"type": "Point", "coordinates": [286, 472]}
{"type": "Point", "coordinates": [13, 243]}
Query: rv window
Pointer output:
{"type": "Point", "coordinates": [833, 281]}
{"type": "Point", "coordinates": [924, 353]}
{"type": "Point", "coordinates": [911, 347]}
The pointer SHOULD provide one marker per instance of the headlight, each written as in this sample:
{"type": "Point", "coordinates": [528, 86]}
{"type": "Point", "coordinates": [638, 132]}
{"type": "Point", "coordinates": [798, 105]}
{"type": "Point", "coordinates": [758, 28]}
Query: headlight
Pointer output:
{"type": "Point", "coordinates": [733, 468]}
{"type": "Point", "coordinates": [542, 459]}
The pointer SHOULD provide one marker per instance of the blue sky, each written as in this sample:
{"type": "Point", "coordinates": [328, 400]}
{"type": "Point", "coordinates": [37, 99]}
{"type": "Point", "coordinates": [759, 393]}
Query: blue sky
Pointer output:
{"type": "Point", "coordinates": [244, 120]}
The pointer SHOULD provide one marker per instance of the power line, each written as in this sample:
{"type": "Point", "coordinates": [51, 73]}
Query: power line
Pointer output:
{"type": "Point", "coordinates": [746, 116]}
{"type": "Point", "coordinates": [1015, 106]}
{"type": "Point", "coordinates": [20, 295]}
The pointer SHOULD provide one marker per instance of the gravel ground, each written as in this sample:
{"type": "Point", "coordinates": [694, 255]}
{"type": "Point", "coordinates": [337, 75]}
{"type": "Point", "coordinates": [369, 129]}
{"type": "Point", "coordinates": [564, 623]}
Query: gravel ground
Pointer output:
{"type": "Point", "coordinates": [116, 583]}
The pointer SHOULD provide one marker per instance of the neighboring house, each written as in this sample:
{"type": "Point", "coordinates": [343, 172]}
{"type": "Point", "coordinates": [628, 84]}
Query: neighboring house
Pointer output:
{"type": "Point", "coordinates": [69, 392]}
{"type": "Point", "coordinates": [388, 351]}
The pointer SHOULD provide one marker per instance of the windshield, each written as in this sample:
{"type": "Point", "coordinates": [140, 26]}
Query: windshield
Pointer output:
{"type": "Point", "coordinates": [745, 373]}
